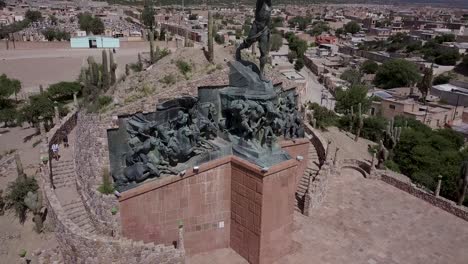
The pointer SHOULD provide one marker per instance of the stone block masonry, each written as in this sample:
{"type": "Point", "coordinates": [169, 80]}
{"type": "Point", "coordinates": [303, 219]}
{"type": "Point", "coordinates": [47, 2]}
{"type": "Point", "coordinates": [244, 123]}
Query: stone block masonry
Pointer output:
{"type": "Point", "coordinates": [201, 202]}
{"type": "Point", "coordinates": [227, 202]}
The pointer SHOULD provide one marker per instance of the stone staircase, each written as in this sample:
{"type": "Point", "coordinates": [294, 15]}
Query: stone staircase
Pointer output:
{"type": "Point", "coordinates": [76, 212]}
{"type": "Point", "coordinates": [309, 174]}
{"type": "Point", "coordinates": [63, 172]}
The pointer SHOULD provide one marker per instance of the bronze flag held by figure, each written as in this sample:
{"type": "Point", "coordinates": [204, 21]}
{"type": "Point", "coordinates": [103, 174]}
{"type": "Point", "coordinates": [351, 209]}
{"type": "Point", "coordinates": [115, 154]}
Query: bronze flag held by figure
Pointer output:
{"type": "Point", "coordinates": [259, 32]}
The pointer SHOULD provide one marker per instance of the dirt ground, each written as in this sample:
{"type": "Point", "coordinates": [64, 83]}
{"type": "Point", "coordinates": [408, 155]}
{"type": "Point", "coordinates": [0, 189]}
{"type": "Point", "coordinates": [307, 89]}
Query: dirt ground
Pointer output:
{"type": "Point", "coordinates": [44, 63]}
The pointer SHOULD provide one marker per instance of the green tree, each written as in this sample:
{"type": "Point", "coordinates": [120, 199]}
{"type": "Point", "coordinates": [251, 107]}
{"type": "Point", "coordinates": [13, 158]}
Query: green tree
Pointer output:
{"type": "Point", "coordinates": [352, 27]}
{"type": "Point", "coordinates": [147, 16]}
{"type": "Point", "coordinates": [397, 73]}
{"type": "Point", "coordinates": [442, 79]}
{"type": "Point", "coordinates": [445, 38]}
{"type": "Point", "coordinates": [33, 16]}
{"type": "Point", "coordinates": [324, 118]}
{"type": "Point", "coordinates": [276, 42]}
{"type": "Point", "coordinates": [339, 32]}
{"type": "Point", "coordinates": [352, 76]}
{"type": "Point", "coordinates": [299, 64]}
{"type": "Point", "coordinates": [63, 90]}
{"type": "Point", "coordinates": [300, 22]}
{"type": "Point", "coordinates": [89, 23]}
{"type": "Point", "coordinates": [53, 19]}
{"type": "Point", "coordinates": [8, 87]}
{"type": "Point", "coordinates": [39, 105]}
{"type": "Point", "coordinates": [97, 26]}
{"type": "Point", "coordinates": [49, 34]}
{"type": "Point", "coordinates": [351, 97]}
{"type": "Point", "coordinates": [369, 67]}
{"type": "Point", "coordinates": [318, 28]}
{"type": "Point", "coordinates": [219, 39]}
{"type": "Point", "coordinates": [447, 57]}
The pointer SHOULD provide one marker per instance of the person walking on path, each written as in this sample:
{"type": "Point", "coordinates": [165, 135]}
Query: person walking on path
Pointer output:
{"type": "Point", "coordinates": [55, 151]}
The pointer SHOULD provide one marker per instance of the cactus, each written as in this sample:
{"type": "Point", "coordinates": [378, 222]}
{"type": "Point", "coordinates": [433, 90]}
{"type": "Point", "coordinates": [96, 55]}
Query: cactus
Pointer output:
{"type": "Point", "coordinates": [140, 62]}
{"type": "Point", "coordinates": [113, 68]}
{"type": "Point", "coordinates": [352, 119]}
{"type": "Point", "coordinates": [127, 69]}
{"type": "Point", "coordinates": [19, 167]}
{"type": "Point", "coordinates": [360, 121]}
{"type": "Point", "coordinates": [2, 203]}
{"type": "Point", "coordinates": [34, 203]}
{"type": "Point", "coordinates": [105, 71]}
{"type": "Point", "coordinates": [392, 134]}
{"type": "Point", "coordinates": [151, 39]}
{"type": "Point", "coordinates": [210, 37]}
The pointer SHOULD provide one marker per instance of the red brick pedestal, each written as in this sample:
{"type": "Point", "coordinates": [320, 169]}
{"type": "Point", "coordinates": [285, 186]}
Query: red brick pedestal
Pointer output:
{"type": "Point", "coordinates": [228, 202]}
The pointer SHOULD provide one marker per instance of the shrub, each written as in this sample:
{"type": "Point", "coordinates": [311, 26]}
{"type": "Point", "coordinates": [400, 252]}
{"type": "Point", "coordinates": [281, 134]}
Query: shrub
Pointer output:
{"type": "Point", "coordinates": [16, 192]}
{"type": "Point", "coordinates": [114, 210]}
{"type": "Point", "coordinates": [169, 79]}
{"type": "Point", "coordinates": [369, 67]}
{"type": "Point", "coordinates": [323, 116]}
{"type": "Point", "coordinates": [104, 101]}
{"type": "Point", "coordinates": [106, 187]}
{"type": "Point", "coordinates": [184, 67]}
{"type": "Point", "coordinates": [391, 165]}
{"type": "Point", "coordinates": [63, 90]}
{"type": "Point", "coordinates": [22, 253]}
{"type": "Point", "coordinates": [441, 79]}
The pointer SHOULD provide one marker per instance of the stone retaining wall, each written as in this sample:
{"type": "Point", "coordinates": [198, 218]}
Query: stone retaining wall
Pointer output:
{"type": "Point", "coordinates": [91, 158]}
{"type": "Point", "coordinates": [78, 246]}
{"type": "Point", "coordinates": [318, 141]}
{"type": "Point", "coordinates": [318, 185]}
{"type": "Point", "coordinates": [403, 183]}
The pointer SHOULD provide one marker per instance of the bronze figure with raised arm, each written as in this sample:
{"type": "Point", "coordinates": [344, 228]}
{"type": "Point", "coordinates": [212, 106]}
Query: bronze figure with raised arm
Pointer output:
{"type": "Point", "coordinates": [259, 32]}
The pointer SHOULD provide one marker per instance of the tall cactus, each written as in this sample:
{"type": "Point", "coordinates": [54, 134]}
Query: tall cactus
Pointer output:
{"type": "Point", "coordinates": [151, 39]}
{"type": "Point", "coordinates": [34, 203]}
{"type": "Point", "coordinates": [360, 121]}
{"type": "Point", "coordinates": [127, 69]}
{"type": "Point", "coordinates": [105, 71]}
{"type": "Point", "coordinates": [19, 167]}
{"type": "Point", "coordinates": [210, 37]}
{"type": "Point", "coordinates": [392, 134]}
{"type": "Point", "coordinates": [113, 68]}
{"type": "Point", "coordinates": [2, 203]}
{"type": "Point", "coordinates": [140, 62]}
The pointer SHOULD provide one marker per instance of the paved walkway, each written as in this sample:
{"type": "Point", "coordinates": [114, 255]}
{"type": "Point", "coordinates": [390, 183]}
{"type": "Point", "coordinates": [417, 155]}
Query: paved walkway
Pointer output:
{"type": "Point", "coordinates": [370, 222]}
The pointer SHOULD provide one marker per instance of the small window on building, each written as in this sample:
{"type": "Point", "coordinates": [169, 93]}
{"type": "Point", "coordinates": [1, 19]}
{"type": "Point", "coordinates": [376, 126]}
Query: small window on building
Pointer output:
{"type": "Point", "coordinates": [438, 123]}
{"type": "Point", "coordinates": [372, 111]}
{"type": "Point", "coordinates": [391, 106]}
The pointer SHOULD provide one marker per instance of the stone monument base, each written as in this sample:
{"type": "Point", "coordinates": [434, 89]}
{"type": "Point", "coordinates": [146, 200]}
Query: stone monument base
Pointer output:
{"type": "Point", "coordinates": [228, 202]}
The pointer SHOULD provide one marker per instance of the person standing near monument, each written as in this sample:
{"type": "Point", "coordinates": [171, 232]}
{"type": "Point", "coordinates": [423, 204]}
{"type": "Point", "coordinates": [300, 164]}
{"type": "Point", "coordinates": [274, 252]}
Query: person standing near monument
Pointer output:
{"type": "Point", "coordinates": [259, 32]}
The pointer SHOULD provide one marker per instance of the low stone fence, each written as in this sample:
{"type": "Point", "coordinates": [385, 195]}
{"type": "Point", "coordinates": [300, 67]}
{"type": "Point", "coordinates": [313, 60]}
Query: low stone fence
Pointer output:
{"type": "Point", "coordinates": [317, 189]}
{"type": "Point", "coordinates": [91, 158]}
{"type": "Point", "coordinates": [404, 183]}
{"type": "Point", "coordinates": [318, 141]}
{"type": "Point", "coordinates": [361, 166]}
{"type": "Point", "coordinates": [318, 184]}
{"type": "Point", "coordinates": [58, 132]}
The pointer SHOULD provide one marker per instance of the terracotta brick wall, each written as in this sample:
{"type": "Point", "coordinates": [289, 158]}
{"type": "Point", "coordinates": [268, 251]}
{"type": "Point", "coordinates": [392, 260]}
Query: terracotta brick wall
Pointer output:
{"type": "Point", "coordinates": [201, 201]}
{"type": "Point", "coordinates": [277, 214]}
{"type": "Point", "coordinates": [299, 147]}
{"type": "Point", "coordinates": [246, 207]}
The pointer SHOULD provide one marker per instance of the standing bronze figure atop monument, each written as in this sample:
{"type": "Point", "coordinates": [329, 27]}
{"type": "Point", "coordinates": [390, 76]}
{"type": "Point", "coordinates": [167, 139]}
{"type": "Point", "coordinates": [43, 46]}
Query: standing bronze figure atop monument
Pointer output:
{"type": "Point", "coordinates": [259, 32]}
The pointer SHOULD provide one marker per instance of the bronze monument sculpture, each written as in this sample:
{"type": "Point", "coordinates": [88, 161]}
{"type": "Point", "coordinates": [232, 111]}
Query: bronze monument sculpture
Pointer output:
{"type": "Point", "coordinates": [244, 118]}
{"type": "Point", "coordinates": [259, 32]}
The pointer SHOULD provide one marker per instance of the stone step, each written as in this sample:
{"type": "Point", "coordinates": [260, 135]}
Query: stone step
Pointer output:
{"type": "Point", "coordinates": [63, 170]}
{"type": "Point", "coordinates": [64, 185]}
{"type": "Point", "coordinates": [61, 164]}
{"type": "Point", "coordinates": [72, 204]}
{"type": "Point", "coordinates": [79, 218]}
{"type": "Point", "coordinates": [75, 211]}
{"type": "Point", "coordinates": [89, 228]}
